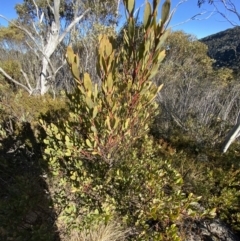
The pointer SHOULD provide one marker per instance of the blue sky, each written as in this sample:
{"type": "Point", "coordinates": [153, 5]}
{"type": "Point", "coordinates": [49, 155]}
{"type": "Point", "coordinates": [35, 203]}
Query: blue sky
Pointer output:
{"type": "Point", "coordinates": [200, 28]}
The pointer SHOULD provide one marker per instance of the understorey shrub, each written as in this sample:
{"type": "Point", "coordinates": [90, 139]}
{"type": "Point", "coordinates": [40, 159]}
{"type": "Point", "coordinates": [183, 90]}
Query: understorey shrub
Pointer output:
{"type": "Point", "coordinates": [103, 164]}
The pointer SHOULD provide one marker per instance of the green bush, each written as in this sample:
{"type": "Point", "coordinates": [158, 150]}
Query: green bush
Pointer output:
{"type": "Point", "coordinates": [103, 165]}
{"type": "Point", "coordinates": [209, 174]}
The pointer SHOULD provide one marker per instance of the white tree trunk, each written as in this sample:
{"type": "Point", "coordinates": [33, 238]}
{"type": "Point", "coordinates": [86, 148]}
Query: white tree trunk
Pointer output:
{"type": "Point", "coordinates": [43, 86]}
{"type": "Point", "coordinates": [46, 50]}
{"type": "Point", "coordinates": [47, 53]}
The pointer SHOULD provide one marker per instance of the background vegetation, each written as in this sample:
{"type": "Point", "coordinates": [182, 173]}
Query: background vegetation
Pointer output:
{"type": "Point", "coordinates": [116, 155]}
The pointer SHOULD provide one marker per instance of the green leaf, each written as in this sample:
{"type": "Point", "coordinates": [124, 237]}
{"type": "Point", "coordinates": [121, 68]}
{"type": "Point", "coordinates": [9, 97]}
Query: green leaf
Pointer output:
{"type": "Point", "coordinates": [47, 151]}
{"type": "Point", "coordinates": [89, 102]}
{"type": "Point", "coordinates": [95, 111]}
{"type": "Point", "coordinates": [131, 27]}
{"type": "Point", "coordinates": [130, 5]}
{"type": "Point", "coordinates": [110, 81]}
{"type": "Point", "coordinates": [107, 121]}
{"type": "Point", "coordinates": [93, 128]}
{"type": "Point", "coordinates": [154, 71]}
{"type": "Point", "coordinates": [89, 144]}
{"type": "Point", "coordinates": [68, 153]}
{"type": "Point", "coordinates": [58, 136]}
{"type": "Point", "coordinates": [161, 56]}
{"type": "Point", "coordinates": [125, 36]}
{"type": "Point", "coordinates": [126, 125]}
{"type": "Point", "coordinates": [163, 38]}
{"type": "Point", "coordinates": [147, 15]}
{"type": "Point", "coordinates": [159, 88]}
{"type": "Point", "coordinates": [117, 120]}
{"type": "Point", "coordinates": [75, 71]}
{"type": "Point", "coordinates": [87, 82]}
{"type": "Point", "coordinates": [109, 49]}
{"type": "Point", "coordinates": [70, 55]}
{"type": "Point", "coordinates": [96, 211]}
{"type": "Point", "coordinates": [46, 141]}
{"type": "Point", "coordinates": [54, 128]}
{"type": "Point", "coordinates": [212, 213]}
{"type": "Point", "coordinates": [165, 11]}
{"type": "Point", "coordinates": [95, 93]}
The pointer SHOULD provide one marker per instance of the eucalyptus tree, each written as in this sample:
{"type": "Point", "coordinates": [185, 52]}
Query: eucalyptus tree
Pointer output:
{"type": "Point", "coordinates": [48, 26]}
{"type": "Point", "coordinates": [232, 15]}
{"type": "Point", "coordinates": [196, 98]}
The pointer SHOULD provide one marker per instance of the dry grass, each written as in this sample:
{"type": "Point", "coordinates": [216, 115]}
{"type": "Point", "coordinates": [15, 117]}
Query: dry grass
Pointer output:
{"type": "Point", "coordinates": [100, 232]}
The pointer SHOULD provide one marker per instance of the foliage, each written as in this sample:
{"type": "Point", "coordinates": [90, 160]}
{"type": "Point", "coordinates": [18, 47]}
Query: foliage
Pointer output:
{"type": "Point", "coordinates": [118, 111]}
{"type": "Point", "coordinates": [86, 48]}
{"type": "Point", "coordinates": [102, 164]}
{"type": "Point", "coordinates": [19, 108]}
{"type": "Point", "coordinates": [41, 23]}
{"type": "Point", "coordinates": [195, 96]}
{"type": "Point", "coordinates": [149, 188]}
{"type": "Point", "coordinates": [207, 173]}
{"type": "Point", "coordinates": [10, 34]}
{"type": "Point", "coordinates": [143, 192]}
{"type": "Point", "coordinates": [12, 67]}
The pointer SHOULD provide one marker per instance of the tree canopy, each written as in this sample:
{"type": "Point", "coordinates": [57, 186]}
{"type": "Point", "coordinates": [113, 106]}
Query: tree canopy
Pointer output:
{"type": "Point", "coordinates": [47, 28]}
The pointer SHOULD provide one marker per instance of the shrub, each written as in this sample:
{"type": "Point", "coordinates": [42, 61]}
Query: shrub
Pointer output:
{"type": "Point", "coordinates": [103, 165]}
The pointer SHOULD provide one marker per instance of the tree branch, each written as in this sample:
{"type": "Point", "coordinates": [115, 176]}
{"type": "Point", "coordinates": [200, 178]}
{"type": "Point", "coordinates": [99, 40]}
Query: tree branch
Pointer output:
{"type": "Point", "coordinates": [56, 13]}
{"type": "Point", "coordinates": [27, 80]}
{"type": "Point", "coordinates": [71, 25]}
{"type": "Point", "coordinates": [232, 135]}
{"type": "Point", "coordinates": [32, 38]}
{"type": "Point", "coordinates": [15, 81]}
{"type": "Point", "coordinates": [23, 29]}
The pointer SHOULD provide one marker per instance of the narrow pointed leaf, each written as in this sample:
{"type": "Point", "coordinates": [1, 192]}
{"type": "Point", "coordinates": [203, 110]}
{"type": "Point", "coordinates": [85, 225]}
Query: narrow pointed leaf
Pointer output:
{"type": "Point", "coordinates": [109, 48]}
{"type": "Point", "coordinates": [75, 71]}
{"type": "Point", "coordinates": [89, 102]}
{"type": "Point", "coordinates": [70, 55]}
{"type": "Point", "coordinates": [108, 123]}
{"type": "Point", "coordinates": [130, 6]}
{"type": "Point", "coordinates": [95, 111]}
{"type": "Point", "coordinates": [147, 15]}
{"type": "Point", "coordinates": [110, 81]}
{"type": "Point", "coordinates": [165, 11]}
{"type": "Point", "coordinates": [163, 38]}
{"type": "Point", "coordinates": [154, 71]}
{"type": "Point", "coordinates": [161, 56]}
{"type": "Point", "coordinates": [87, 82]}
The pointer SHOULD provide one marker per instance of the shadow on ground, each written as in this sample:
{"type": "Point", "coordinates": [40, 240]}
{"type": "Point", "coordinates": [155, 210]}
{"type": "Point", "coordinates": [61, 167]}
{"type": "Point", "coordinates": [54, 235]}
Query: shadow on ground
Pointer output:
{"type": "Point", "coordinates": [26, 212]}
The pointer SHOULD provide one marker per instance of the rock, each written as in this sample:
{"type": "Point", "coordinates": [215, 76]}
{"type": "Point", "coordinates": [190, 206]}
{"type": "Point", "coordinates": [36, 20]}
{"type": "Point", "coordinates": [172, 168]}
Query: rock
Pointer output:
{"type": "Point", "coordinates": [209, 230]}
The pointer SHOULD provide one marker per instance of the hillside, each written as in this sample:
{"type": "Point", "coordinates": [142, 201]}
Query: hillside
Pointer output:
{"type": "Point", "coordinates": [224, 47]}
